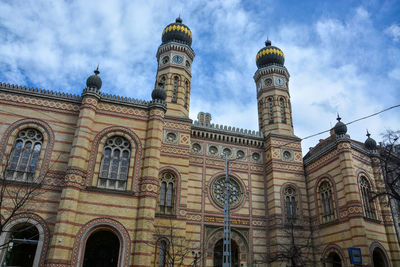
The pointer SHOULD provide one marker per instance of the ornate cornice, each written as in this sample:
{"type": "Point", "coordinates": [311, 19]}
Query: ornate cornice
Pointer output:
{"type": "Point", "coordinates": [176, 47]}
{"type": "Point", "coordinates": [273, 68]}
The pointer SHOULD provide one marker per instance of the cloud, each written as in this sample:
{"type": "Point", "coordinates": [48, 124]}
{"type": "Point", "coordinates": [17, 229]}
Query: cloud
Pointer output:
{"type": "Point", "coordinates": [393, 31]}
{"type": "Point", "coordinates": [338, 63]}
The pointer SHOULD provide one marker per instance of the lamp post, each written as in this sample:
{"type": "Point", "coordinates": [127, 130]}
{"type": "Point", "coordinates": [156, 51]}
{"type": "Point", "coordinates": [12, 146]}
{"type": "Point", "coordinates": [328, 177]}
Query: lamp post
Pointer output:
{"type": "Point", "coordinates": [227, 253]}
{"type": "Point", "coordinates": [196, 256]}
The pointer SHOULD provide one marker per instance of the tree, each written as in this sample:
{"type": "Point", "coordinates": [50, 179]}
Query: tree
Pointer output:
{"type": "Point", "coordinates": [389, 155]}
{"type": "Point", "coordinates": [19, 186]}
{"type": "Point", "coordinates": [293, 247]}
{"type": "Point", "coordinates": [173, 246]}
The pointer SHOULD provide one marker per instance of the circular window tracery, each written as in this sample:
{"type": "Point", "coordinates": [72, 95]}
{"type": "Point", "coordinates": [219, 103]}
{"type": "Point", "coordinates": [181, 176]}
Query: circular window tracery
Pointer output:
{"type": "Point", "coordinates": [218, 191]}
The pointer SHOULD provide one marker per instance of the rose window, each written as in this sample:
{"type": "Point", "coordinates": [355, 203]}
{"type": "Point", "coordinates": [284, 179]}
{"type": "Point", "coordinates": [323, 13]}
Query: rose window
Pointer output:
{"type": "Point", "coordinates": [218, 191]}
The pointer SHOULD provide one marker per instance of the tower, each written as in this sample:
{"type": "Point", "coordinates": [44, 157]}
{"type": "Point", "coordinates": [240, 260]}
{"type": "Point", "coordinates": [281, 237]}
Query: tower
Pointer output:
{"type": "Point", "coordinates": [273, 98]}
{"type": "Point", "coordinates": [175, 57]}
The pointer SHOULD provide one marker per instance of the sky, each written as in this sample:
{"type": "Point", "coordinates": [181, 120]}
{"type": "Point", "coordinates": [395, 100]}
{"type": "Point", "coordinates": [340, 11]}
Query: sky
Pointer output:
{"type": "Point", "coordinates": [343, 56]}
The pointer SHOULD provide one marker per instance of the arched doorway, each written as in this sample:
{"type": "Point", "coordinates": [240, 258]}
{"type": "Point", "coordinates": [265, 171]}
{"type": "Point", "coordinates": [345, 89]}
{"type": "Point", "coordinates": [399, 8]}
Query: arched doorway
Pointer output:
{"type": "Point", "coordinates": [218, 252]}
{"type": "Point", "coordinates": [379, 258]}
{"type": "Point", "coordinates": [334, 260]}
{"type": "Point", "coordinates": [102, 250]}
{"type": "Point", "coordinates": [22, 246]}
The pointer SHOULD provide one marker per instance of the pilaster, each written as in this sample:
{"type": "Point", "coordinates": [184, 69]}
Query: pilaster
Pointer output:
{"type": "Point", "coordinates": [65, 229]}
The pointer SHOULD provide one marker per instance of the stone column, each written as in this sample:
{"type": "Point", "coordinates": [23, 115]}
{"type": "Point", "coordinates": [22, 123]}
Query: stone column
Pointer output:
{"type": "Point", "coordinates": [144, 240]}
{"type": "Point", "coordinates": [62, 242]}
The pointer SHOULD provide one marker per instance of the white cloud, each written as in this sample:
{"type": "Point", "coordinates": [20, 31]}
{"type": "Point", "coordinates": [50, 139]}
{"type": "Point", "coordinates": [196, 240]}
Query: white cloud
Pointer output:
{"type": "Point", "coordinates": [393, 31]}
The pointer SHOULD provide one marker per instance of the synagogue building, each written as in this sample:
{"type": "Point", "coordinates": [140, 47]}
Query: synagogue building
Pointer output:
{"type": "Point", "coordinates": [115, 181]}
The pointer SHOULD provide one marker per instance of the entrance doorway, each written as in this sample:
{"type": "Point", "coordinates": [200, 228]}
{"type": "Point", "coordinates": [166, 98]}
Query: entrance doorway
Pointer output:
{"type": "Point", "coordinates": [218, 252]}
{"type": "Point", "coordinates": [379, 258]}
{"type": "Point", "coordinates": [22, 246]}
{"type": "Point", "coordinates": [102, 250]}
{"type": "Point", "coordinates": [334, 260]}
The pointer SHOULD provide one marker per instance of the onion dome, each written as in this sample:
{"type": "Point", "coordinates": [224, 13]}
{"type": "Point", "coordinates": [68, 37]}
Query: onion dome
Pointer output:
{"type": "Point", "coordinates": [370, 143]}
{"type": "Point", "coordinates": [340, 128]}
{"type": "Point", "coordinates": [94, 80]}
{"type": "Point", "coordinates": [158, 93]}
{"type": "Point", "coordinates": [269, 55]}
{"type": "Point", "coordinates": [177, 32]}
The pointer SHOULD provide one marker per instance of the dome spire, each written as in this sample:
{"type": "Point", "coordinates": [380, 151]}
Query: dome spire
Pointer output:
{"type": "Point", "coordinates": [94, 81]}
{"type": "Point", "coordinates": [340, 128]}
{"type": "Point", "coordinates": [370, 143]}
{"type": "Point", "coordinates": [177, 32]}
{"type": "Point", "coordinates": [269, 55]}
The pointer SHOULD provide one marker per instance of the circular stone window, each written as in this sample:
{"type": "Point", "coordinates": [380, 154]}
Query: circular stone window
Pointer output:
{"type": "Point", "coordinates": [240, 154]}
{"type": "Point", "coordinates": [218, 191]}
{"type": "Point", "coordinates": [287, 155]}
{"type": "Point", "coordinates": [196, 148]}
{"type": "Point", "coordinates": [165, 60]}
{"type": "Point", "coordinates": [171, 137]}
{"type": "Point", "coordinates": [256, 156]}
{"type": "Point", "coordinates": [213, 150]}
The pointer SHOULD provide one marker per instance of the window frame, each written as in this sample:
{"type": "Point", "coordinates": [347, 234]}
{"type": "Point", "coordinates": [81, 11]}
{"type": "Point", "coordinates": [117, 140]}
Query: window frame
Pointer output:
{"type": "Point", "coordinates": [369, 207]}
{"type": "Point", "coordinates": [162, 204]}
{"type": "Point", "coordinates": [112, 160]}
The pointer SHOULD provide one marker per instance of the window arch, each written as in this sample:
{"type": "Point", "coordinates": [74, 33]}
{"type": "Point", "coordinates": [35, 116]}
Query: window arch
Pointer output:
{"type": "Point", "coordinates": [115, 163]}
{"type": "Point", "coordinates": [167, 194]}
{"type": "Point", "coordinates": [283, 111]}
{"type": "Point", "coordinates": [270, 110]}
{"type": "Point", "coordinates": [366, 198]}
{"type": "Point", "coordinates": [25, 155]}
{"type": "Point", "coordinates": [175, 89]}
{"type": "Point", "coordinates": [25, 241]}
{"type": "Point", "coordinates": [161, 83]}
{"type": "Point", "coordinates": [327, 202]}
{"type": "Point", "coordinates": [290, 197]}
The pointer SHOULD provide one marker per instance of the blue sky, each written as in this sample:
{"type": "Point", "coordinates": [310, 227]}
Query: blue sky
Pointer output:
{"type": "Point", "coordinates": [343, 56]}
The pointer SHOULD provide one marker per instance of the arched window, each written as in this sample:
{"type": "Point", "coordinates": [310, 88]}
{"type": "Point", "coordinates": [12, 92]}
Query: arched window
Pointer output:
{"type": "Point", "coordinates": [187, 94]}
{"type": "Point", "coordinates": [366, 198]}
{"type": "Point", "coordinates": [328, 212]}
{"type": "Point", "coordinates": [161, 83]}
{"type": "Point", "coordinates": [175, 89]}
{"type": "Point", "coordinates": [260, 112]}
{"type": "Point", "coordinates": [167, 193]}
{"type": "Point", "coordinates": [25, 155]}
{"type": "Point", "coordinates": [283, 112]}
{"type": "Point", "coordinates": [270, 110]}
{"type": "Point", "coordinates": [162, 253]}
{"type": "Point", "coordinates": [115, 163]}
{"type": "Point", "coordinates": [290, 203]}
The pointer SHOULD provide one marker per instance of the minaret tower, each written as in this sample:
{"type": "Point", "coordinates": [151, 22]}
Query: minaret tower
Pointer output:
{"type": "Point", "coordinates": [175, 57]}
{"type": "Point", "coordinates": [272, 80]}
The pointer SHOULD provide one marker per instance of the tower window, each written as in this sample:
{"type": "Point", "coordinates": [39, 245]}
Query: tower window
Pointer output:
{"type": "Point", "coordinates": [270, 110]}
{"type": "Point", "coordinates": [161, 84]}
{"type": "Point", "coordinates": [115, 163]}
{"type": "Point", "coordinates": [175, 90]}
{"type": "Point", "coordinates": [186, 94]}
{"type": "Point", "coordinates": [25, 156]}
{"type": "Point", "coordinates": [283, 112]}
{"type": "Point", "coordinates": [165, 60]}
{"type": "Point", "coordinates": [290, 203]}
